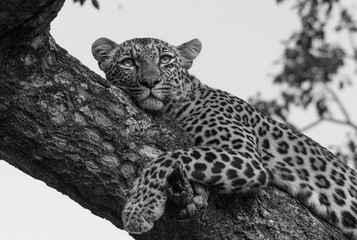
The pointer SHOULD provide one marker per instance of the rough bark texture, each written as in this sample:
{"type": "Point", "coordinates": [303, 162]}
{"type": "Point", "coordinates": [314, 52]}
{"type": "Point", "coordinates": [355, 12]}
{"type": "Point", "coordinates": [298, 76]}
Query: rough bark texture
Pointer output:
{"type": "Point", "coordinates": [60, 124]}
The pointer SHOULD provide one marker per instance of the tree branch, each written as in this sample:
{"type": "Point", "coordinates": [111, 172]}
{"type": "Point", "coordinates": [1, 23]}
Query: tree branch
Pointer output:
{"type": "Point", "coordinates": [342, 122]}
{"type": "Point", "coordinates": [347, 117]}
{"type": "Point", "coordinates": [339, 103]}
{"type": "Point", "coordinates": [311, 125]}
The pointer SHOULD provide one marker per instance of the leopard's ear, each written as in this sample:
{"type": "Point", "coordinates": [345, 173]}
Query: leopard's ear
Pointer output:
{"type": "Point", "coordinates": [102, 50]}
{"type": "Point", "coordinates": [189, 51]}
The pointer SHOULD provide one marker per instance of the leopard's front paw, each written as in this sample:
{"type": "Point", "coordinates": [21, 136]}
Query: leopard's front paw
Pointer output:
{"type": "Point", "coordinates": [137, 222]}
{"type": "Point", "coordinates": [139, 216]}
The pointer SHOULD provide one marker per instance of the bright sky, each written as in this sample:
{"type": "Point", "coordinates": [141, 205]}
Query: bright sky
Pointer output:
{"type": "Point", "coordinates": [241, 40]}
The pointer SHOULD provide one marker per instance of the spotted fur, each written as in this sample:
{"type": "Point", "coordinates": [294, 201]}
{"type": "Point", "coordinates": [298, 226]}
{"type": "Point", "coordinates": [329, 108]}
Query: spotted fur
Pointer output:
{"type": "Point", "coordinates": [237, 147]}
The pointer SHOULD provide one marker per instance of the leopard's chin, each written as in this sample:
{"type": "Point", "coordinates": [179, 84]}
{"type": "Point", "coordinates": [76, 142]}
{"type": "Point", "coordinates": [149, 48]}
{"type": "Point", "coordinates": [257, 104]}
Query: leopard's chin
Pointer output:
{"type": "Point", "coordinates": [152, 104]}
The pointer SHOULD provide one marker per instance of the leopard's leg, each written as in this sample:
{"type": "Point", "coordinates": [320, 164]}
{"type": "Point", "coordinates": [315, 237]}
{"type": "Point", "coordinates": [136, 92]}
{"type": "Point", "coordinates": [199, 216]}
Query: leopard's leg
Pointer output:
{"type": "Point", "coordinates": [225, 169]}
{"type": "Point", "coordinates": [189, 197]}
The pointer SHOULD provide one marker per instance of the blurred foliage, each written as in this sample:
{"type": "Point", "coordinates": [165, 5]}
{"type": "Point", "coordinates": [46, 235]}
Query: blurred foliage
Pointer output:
{"type": "Point", "coordinates": [311, 67]}
{"type": "Point", "coordinates": [94, 3]}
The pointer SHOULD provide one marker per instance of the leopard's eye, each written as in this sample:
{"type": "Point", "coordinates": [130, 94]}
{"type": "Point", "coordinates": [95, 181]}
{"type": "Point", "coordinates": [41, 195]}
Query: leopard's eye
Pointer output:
{"type": "Point", "coordinates": [165, 59]}
{"type": "Point", "coordinates": [127, 62]}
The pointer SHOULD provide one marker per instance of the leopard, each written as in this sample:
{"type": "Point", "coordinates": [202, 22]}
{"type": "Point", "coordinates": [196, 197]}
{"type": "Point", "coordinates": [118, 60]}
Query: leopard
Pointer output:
{"type": "Point", "coordinates": [237, 148]}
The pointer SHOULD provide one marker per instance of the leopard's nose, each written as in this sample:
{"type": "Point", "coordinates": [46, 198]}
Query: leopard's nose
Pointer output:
{"type": "Point", "coordinates": [149, 82]}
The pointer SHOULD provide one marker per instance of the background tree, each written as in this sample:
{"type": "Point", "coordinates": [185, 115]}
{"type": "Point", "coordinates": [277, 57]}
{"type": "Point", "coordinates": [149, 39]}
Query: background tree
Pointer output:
{"type": "Point", "coordinates": [60, 123]}
{"type": "Point", "coordinates": [312, 71]}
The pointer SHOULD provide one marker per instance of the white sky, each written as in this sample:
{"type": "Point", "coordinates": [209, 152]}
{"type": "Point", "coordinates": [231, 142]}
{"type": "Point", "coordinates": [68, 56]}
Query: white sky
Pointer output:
{"type": "Point", "coordinates": [241, 40]}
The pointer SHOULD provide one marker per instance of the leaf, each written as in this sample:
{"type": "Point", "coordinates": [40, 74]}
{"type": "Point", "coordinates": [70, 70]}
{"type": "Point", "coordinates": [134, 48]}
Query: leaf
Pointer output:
{"type": "Point", "coordinates": [329, 8]}
{"type": "Point", "coordinates": [352, 145]}
{"type": "Point", "coordinates": [341, 85]}
{"type": "Point", "coordinates": [321, 107]}
{"type": "Point", "coordinates": [338, 28]}
{"type": "Point", "coordinates": [80, 1]}
{"type": "Point", "coordinates": [95, 4]}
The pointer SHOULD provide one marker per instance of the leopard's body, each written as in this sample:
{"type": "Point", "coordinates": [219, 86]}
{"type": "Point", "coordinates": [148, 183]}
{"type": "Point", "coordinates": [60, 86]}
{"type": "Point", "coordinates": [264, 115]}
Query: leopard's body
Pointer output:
{"type": "Point", "coordinates": [237, 147]}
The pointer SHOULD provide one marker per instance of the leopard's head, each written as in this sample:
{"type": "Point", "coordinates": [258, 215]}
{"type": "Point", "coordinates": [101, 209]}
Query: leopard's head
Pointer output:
{"type": "Point", "coordinates": [148, 70]}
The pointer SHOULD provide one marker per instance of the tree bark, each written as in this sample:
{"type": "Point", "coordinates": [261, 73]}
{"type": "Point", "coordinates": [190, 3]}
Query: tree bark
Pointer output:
{"type": "Point", "coordinates": [62, 124]}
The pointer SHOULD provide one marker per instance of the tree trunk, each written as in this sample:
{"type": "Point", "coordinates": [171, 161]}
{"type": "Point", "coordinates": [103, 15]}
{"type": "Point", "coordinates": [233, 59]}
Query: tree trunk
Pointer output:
{"type": "Point", "coordinates": [61, 124]}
